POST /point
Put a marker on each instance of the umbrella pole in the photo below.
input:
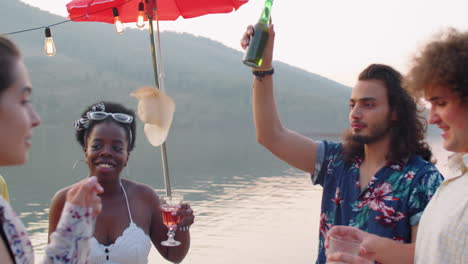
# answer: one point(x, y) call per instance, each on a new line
point(167, 182)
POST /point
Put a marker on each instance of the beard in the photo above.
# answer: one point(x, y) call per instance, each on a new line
point(376, 133)
point(354, 143)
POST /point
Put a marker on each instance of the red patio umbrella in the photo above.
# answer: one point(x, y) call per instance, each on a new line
point(128, 12)
point(92, 10)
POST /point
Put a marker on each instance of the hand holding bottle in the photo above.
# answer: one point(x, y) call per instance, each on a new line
point(258, 38)
point(268, 52)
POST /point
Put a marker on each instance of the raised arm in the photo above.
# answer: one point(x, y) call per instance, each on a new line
point(55, 210)
point(72, 221)
point(290, 146)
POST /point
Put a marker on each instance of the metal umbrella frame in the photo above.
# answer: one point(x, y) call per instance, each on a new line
point(167, 180)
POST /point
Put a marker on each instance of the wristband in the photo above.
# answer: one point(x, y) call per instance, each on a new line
point(263, 73)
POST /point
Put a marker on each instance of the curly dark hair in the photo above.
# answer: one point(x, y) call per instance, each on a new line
point(443, 62)
point(110, 107)
point(407, 132)
point(9, 54)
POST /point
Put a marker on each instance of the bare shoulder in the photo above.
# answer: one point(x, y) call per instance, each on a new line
point(61, 195)
point(141, 191)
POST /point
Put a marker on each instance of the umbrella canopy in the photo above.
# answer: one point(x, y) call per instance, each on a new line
point(101, 10)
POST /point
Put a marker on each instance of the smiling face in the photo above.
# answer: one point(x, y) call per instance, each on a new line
point(369, 114)
point(17, 118)
point(450, 114)
point(106, 149)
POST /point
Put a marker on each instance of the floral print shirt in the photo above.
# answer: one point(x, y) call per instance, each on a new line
point(69, 243)
point(388, 206)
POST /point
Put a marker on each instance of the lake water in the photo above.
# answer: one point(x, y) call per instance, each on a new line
point(243, 220)
point(269, 214)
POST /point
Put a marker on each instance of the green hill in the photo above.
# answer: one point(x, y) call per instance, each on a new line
point(211, 88)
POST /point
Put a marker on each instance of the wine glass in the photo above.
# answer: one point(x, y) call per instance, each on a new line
point(169, 205)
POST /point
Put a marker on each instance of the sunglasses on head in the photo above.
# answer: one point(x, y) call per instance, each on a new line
point(120, 117)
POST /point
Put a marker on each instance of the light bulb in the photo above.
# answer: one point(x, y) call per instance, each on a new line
point(49, 46)
point(141, 16)
point(119, 27)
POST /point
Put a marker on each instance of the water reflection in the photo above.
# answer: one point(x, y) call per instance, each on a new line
point(239, 218)
point(37, 224)
point(267, 220)
point(246, 220)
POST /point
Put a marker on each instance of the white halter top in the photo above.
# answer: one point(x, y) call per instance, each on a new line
point(132, 247)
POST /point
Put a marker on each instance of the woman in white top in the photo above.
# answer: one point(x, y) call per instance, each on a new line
point(70, 242)
point(131, 217)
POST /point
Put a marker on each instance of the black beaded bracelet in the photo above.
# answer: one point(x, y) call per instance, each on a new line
point(261, 73)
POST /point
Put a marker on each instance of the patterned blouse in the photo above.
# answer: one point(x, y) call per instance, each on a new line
point(388, 206)
point(69, 243)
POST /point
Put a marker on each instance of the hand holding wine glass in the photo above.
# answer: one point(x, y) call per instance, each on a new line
point(176, 214)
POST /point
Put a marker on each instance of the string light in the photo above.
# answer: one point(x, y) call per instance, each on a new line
point(49, 46)
point(119, 27)
point(141, 16)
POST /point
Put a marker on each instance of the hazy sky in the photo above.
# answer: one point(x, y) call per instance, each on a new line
point(333, 38)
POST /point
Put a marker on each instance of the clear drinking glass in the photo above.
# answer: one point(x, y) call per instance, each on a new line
point(170, 204)
point(345, 244)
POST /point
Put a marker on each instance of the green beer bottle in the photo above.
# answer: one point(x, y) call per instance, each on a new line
point(254, 55)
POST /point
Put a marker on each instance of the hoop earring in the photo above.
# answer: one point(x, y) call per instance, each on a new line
point(76, 168)
point(126, 172)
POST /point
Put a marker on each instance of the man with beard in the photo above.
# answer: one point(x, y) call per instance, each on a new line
point(438, 73)
point(381, 178)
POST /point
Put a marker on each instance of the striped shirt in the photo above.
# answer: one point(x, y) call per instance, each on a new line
point(443, 230)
